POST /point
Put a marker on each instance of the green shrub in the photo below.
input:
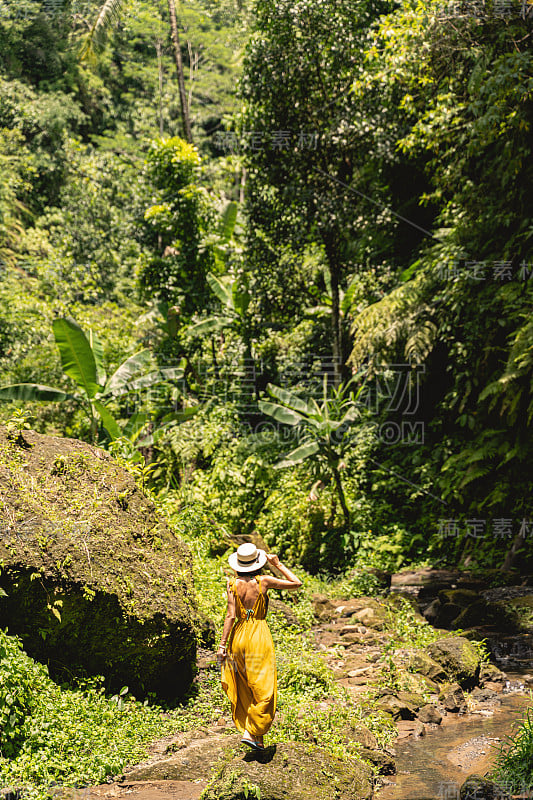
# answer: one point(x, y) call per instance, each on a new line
point(311, 680)
point(72, 736)
point(21, 681)
point(514, 764)
point(197, 527)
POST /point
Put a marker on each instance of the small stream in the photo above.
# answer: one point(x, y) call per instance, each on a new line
point(434, 766)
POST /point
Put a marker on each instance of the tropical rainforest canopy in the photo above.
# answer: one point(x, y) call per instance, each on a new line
point(278, 255)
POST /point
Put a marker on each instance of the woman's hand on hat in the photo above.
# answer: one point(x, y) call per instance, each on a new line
point(272, 559)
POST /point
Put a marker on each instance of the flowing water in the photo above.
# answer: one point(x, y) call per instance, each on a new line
point(434, 766)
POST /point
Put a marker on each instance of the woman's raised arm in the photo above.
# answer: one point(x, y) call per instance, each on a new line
point(291, 580)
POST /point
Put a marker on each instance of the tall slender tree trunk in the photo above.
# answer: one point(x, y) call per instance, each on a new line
point(336, 326)
point(193, 69)
point(179, 68)
point(250, 376)
point(214, 356)
point(94, 425)
point(336, 333)
point(342, 497)
point(160, 71)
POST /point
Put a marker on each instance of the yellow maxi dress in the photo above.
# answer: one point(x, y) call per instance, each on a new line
point(249, 670)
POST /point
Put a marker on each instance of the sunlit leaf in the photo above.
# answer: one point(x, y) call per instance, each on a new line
point(77, 357)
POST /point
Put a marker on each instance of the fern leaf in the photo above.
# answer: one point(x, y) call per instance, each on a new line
point(401, 316)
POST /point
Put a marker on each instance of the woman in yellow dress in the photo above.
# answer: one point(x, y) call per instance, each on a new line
point(246, 652)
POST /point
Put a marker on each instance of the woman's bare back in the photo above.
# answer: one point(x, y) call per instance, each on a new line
point(248, 591)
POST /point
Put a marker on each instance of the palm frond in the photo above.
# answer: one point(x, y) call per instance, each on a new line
point(513, 387)
point(108, 15)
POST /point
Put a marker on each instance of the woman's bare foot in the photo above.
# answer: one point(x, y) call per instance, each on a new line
point(259, 741)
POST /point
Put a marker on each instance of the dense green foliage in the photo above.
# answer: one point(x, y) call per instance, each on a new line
point(66, 735)
point(357, 206)
point(438, 135)
point(460, 310)
point(386, 229)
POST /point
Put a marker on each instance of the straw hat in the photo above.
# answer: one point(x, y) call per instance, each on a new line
point(247, 558)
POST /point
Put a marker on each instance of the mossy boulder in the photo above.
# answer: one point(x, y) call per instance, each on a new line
point(476, 787)
point(395, 706)
point(383, 763)
point(291, 771)
point(421, 662)
point(356, 732)
point(465, 608)
point(198, 753)
point(484, 613)
point(521, 611)
point(452, 697)
point(364, 610)
point(96, 581)
point(524, 601)
point(371, 617)
point(413, 698)
point(419, 684)
point(459, 597)
point(429, 714)
point(489, 673)
point(324, 607)
point(484, 695)
point(459, 658)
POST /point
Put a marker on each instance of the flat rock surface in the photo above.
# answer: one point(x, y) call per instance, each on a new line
point(292, 771)
point(136, 790)
point(194, 760)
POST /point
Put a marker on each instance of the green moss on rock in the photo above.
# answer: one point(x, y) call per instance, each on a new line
point(419, 661)
point(395, 706)
point(476, 787)
point(521, 610)
point(459, 658)
point(290, 771)
point(459, 597)
point(96, 582)
point(483, 613)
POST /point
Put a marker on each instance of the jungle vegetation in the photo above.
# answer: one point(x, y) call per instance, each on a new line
point(351, 201)
point(277, 256)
